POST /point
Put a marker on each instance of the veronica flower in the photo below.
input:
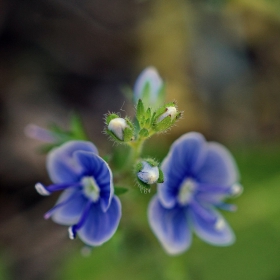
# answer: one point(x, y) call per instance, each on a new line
point(87, 204)
point(198, 177)
point(149, 87)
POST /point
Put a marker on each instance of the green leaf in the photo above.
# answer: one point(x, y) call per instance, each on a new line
point(120, 190)
point(140, 111)
point(148, 113)
point(77, 128)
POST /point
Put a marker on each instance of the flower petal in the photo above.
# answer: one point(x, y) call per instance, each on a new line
point(218, 168)
point(70, 213)
point(95, 166)
point(216, 233)
point(170, 226)
point(100, 226)
point(185, 157)
point(61, 165)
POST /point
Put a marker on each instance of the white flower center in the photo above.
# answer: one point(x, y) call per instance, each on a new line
point(91, 189)
point(186, 191)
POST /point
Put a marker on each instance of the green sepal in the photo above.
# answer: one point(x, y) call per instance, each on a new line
point(151, 161)
point(128, 135)
point(114, 137)
point(144, 132)
point(140, 111)
point(163, 125)
point(110, 117)
point(148, 113)
point(138, 167)
point(120, 190)
point(142, 184)
point(161, 176)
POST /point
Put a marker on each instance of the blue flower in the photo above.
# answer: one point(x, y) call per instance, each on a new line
point(198, 177)
point(149, 87)
point(87, 204)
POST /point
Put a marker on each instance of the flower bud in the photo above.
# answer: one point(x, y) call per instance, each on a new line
point(149, 87)
point(117, 127)
point(148, 174)
point(169, 111)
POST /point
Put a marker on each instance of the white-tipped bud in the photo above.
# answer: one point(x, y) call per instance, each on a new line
point(150, 77)
point(148, 174)
point(170, 111)
point(41, 189)
point(117, 127)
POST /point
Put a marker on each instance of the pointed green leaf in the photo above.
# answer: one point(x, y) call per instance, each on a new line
point(120, 190)
point(140, 112)
point(77, 128)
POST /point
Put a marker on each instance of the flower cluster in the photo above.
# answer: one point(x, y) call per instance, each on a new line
point(193, 181)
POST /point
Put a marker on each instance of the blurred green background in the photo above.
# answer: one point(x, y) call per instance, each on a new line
point(221, 62)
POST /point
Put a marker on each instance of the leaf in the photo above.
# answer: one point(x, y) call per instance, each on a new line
point(120, 190)
point(140, 112)
point(77, 128)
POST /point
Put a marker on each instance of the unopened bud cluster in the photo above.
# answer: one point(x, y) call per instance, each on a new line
point(152, 117)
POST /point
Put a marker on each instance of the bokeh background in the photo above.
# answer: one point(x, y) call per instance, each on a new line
point(221, 62)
